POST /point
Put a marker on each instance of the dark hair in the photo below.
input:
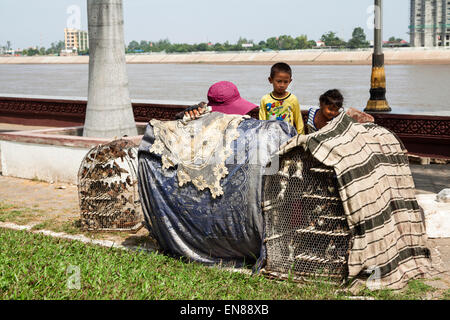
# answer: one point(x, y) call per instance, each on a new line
point(280, 67)
point(332, 97)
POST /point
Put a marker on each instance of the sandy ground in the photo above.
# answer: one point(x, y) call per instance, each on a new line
point(58, 204)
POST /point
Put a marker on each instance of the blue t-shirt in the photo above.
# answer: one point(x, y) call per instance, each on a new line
point(312, 112)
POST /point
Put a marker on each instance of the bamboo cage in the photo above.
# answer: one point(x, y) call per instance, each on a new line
point(107, 188)
point(306, 231)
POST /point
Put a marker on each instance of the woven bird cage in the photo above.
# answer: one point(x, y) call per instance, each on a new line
point(107, 188)
point(306, 231)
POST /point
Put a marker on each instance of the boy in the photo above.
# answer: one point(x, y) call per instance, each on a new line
point(281, 104)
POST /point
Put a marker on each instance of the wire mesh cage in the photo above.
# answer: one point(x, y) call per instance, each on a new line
point(107, 188)
point(306, 231)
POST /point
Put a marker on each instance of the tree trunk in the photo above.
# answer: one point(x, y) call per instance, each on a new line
point(109, 112)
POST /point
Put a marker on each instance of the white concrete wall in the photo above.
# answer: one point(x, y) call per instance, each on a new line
point(40, 161)
point(318, 57)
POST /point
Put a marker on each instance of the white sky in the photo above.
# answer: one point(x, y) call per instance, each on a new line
point(38, 23)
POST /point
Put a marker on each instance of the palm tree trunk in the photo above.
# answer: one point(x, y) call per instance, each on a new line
point(109, 112)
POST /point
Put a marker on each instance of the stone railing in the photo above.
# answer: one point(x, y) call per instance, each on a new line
point(422, 135)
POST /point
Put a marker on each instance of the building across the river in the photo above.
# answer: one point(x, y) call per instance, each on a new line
point(75, 39)
point(430, 23)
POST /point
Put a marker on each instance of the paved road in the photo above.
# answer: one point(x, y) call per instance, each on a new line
point(431, 178)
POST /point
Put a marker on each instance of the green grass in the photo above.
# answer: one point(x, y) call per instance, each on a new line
point(11, 213)
point(5, 206)
point(34, 266)
point(69, 227)
point(42, 225)
point(22, 216)
point(446, 295)
point(416, 289)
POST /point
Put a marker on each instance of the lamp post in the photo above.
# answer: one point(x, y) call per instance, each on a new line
point(377, 101)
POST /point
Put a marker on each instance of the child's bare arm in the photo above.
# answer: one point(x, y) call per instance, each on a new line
point(262, 110)
point(298, 119)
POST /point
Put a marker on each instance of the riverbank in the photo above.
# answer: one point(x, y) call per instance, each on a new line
point(397, 56)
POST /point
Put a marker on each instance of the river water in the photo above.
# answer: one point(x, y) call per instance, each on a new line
point(413, 89)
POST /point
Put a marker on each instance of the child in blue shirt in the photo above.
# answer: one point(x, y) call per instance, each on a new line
point(331, 105)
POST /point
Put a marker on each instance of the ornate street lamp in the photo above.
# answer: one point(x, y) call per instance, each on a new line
point(377, 101)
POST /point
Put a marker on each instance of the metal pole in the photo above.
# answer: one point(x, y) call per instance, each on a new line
point(378, 36)
point(377, 101)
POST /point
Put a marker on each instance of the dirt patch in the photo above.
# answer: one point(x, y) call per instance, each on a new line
point(55, 207)
point(440, 255)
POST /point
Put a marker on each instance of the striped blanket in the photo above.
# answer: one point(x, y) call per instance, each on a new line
point(377, 190)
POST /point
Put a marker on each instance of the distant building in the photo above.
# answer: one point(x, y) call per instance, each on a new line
point(395, 44)
point(320, 43)
point(75, 39)
point(68, 52)
point(430, 23)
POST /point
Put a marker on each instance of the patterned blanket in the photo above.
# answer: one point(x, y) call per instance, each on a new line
point(195, 222)
point(375, 184)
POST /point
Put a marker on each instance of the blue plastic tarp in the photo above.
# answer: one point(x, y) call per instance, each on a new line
point(190, 223)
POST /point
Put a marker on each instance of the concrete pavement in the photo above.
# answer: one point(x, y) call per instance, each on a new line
point(430, 178)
